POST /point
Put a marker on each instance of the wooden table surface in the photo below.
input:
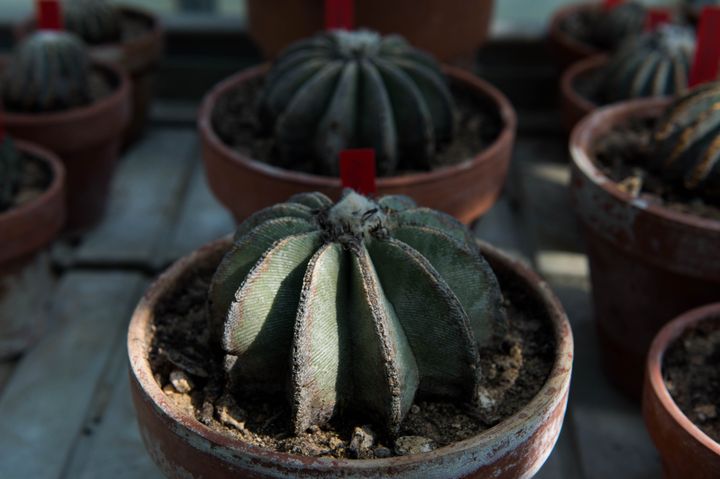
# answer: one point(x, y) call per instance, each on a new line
point(65, 409)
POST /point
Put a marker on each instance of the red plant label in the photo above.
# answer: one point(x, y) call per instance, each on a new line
point(339, 14)
point(357, 170)
point(49, 15)
point(610, 4)
point(657, 17)
point(707, 51)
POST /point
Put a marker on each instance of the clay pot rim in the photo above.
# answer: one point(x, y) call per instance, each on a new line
point(119, 94)
point(561, 37)
point(667, 335)
point(583, 138)
point(570, 75)
point(476, 84)
point(552, 392)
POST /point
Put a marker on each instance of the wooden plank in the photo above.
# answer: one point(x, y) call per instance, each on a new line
point(46, 401)
point(148, 188)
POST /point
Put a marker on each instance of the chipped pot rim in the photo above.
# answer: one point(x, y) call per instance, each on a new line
point(496, 441)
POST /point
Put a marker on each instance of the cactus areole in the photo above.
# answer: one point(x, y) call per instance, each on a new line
point(354, 307)
point(357, 89)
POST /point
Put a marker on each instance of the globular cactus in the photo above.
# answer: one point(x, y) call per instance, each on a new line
point(687, 142)
point(354, 306)
point(655, 63)
point(607, 29)
point(10, 172)
point(341, 89)
point(95, 21)
point(49, 71)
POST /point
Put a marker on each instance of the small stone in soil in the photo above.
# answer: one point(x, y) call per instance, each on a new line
point(706, 411)
point(362, 440)
point(181, 382)
point(230, 414)
point(382, 452)
point(407, 445)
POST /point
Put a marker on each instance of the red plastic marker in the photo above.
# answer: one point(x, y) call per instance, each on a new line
point(707, 52)
point(49, 15)
point(339, 14)
point(657, 17)
point(610, 4)
point(357, 170)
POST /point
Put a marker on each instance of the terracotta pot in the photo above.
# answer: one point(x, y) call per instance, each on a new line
point(686, 451)
point(183, 447)
point(574, 106)
point(647, 263)
point(24, 231)
point(139, 57)
point(88, 140)
point(425, 23)
point(466, 190)
point(565, 49)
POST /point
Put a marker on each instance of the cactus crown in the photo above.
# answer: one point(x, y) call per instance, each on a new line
point(10, 172)
point(358, 89)
point(49, 71)
point(95, 21)
point(313, 299)
point(652, 64)
point(687, 142)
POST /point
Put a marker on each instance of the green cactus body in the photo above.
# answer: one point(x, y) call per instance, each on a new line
point(49, 71)
point(342, 90)
point(10, 172)
point(95, 21)
point(354, 306)
point(687, 142)
point(607, 29)
point(653, 64)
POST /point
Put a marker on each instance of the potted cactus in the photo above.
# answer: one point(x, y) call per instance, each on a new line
point(54, 95)
point(440, 134)
point(680, 396)
point(32, 212)
point(126, 36)
point(321, 322)
point(645, 186)
point(655, 63)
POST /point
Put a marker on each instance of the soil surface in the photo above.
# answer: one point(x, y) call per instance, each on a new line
point(192, 377)
point(236, 122)
point(623, 154)
point(34, 181)
point(691, 370)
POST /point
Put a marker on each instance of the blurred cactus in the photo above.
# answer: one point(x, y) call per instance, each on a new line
point(607, 29)
point(340, 90)
point(49, 71)
point(10, 172)
point(354, 306)
point(687, 142)
point(95, 21)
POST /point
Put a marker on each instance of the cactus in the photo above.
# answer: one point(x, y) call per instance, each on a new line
point(687, 142)
point(653, 64)
point(10, 172)
point(354, 306)
point(342, 90)
point(49, 71)
point(607, 29)
point(95, 21)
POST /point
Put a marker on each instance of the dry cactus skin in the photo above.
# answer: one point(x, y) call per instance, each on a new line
point(10, 172)
point(354, 306)
point(95, 21)
point(340, 90)
point(687, 142)
point(49, 71)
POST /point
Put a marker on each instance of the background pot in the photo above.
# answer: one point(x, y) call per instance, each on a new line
point(466, 190)
point(24, 231)
point(686, 451)
point(139, 57)
point(183, 447)
point(647, 263)
point(87, 139)
point(565, 49)
point(452, 30)
point(574, 106)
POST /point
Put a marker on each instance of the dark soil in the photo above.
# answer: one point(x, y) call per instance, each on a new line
point(236, 122)
point(691, 370)
point(35, 180)
point(589, 86)
point(188, 372)
point(623, 155)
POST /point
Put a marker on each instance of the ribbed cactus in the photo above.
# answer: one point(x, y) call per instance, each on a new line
point(606, 29)
point(340, 90)
point(687, 142)
point(653, 64)
point(10, 172)
point(95, 21)
point(49, 71)
point(354, 306)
